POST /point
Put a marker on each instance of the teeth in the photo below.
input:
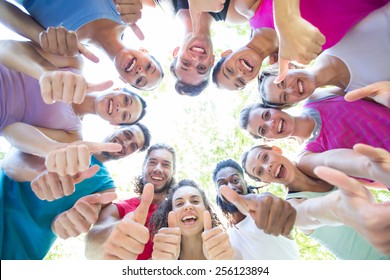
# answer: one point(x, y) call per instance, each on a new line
point(110, 107)
point(158, 178)
point(278, 171)
point(246, 65)
point(188, 218)
point(280, 126)
point(129, 68)
point(300, 87)
point(199, 50)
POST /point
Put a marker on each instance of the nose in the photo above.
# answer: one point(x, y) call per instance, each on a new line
point(188, 206)
point(139, 70)
point(158, 167)
point(233, 187)
point(271, 123)
point(268, 168)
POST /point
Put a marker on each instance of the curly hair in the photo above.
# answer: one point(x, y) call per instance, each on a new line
point(159, 219)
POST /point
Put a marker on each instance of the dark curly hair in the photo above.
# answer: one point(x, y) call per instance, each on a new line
point(159, 219)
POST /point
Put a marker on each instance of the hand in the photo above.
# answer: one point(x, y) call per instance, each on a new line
point(379, 92)
point(359, 210)
point(378, 166)
point(67, 87)
point(130, 12)
point(73, 158)
point(50, 186)
point(271, 214)
point(60, 41)
point(299, 41)
point(167, 241)
point(82, 215)
point(216, 243)
point(128, 238)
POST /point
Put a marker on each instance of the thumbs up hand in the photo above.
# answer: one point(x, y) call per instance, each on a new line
point(216, 243)
point(128, 238)
point(167, 241)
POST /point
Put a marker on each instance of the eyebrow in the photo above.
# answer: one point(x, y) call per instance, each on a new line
point(192, 196)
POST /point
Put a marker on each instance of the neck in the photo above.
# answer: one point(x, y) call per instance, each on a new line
point(304, 127)
point(237, 217)
point(159, 198)
point(191, 248)
point(100, 157)
point(302, 182)
point(264, 41)
point(247, 8)
point(86, 107)
point(330, 70)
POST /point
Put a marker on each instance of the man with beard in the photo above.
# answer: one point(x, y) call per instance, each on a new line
point(34, 210)
point(254, 232)
point(121, 231)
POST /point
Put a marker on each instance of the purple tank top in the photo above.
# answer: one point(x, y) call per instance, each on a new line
point(21, 101)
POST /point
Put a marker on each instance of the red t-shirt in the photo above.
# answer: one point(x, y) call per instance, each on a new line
point(129, 205)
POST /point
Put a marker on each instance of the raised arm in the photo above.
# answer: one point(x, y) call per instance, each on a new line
point(363, 161)
point(379, 92)
point(299, 40)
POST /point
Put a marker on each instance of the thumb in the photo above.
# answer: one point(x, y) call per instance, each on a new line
point(87, 53)
point(207, 221)
point(234, 198)
point(347, 185)
point(100, 198)
point(141, 213)
point(375, 154)
point(103, 147)
point(100, 86)
point(172, 219)
point(137, 31)
point(89, 173)
point(283, 68)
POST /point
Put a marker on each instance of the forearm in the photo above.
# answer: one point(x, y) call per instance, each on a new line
point(347, 161)
point(95, 239)
point(266, 41)
point(25, 58)
point(284, 10)
point(316, 212)
point(20, 22)
point(29, 139)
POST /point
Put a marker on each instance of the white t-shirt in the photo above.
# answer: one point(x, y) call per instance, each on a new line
point(254, 244)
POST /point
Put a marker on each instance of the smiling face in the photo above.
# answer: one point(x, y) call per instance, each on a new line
point(188, 206)
point(131, 138)
point(239, 68)
point(297, 86)
point(194, 60)
point(270, 123)
point(118, 107)
point(269, 166)
point(230, 177)
point(158, 170)
point(138, 69)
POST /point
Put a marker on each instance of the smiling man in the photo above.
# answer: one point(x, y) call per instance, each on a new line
point(117, 234)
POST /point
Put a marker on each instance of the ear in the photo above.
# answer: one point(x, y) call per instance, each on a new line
point(143, 50)
point(175, 51)
point(277, 150)
point(226, 53)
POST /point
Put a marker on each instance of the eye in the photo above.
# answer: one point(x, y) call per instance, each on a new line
point(283, 83)
point(266, 115)
point(124, 116)
point(134, 147)
point(127, 134)
point(185, 63)
point(179, 204)
point(263, 131)
point(138, 81)
point(126, 100)
point(235, 181)
point(148, 66)
point(241, 81)
point(195, 201)
point(230, 71)
point(265, 157)
point(260, 172)
point(284, 97)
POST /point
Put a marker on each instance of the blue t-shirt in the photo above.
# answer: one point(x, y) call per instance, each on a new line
point(71, 14)
point(25, 229)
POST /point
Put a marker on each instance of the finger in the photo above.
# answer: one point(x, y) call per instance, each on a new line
point(320, 39)
point(87, 53)
point(103, 147)
point(60, 159)
point(234, 198)
point(72, 43)
point(69, 82)
point(46, 87)
point(79, 90)
point(337, 178)
point(100, 198)
point(89, 173)
point(72, 160)
point(207, 221)
point(371, 152)
point(67, 187)
point(100, 86)
point(52, 39)
point(137, 31)
point(359, 93)
point(84, 158)
point(172, 219)
point(44, 41)
point(61, 41)
point(283, 69)
point(141, 213)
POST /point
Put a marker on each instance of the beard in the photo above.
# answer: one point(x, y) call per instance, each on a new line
point(164, 189)
point(226, 207)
